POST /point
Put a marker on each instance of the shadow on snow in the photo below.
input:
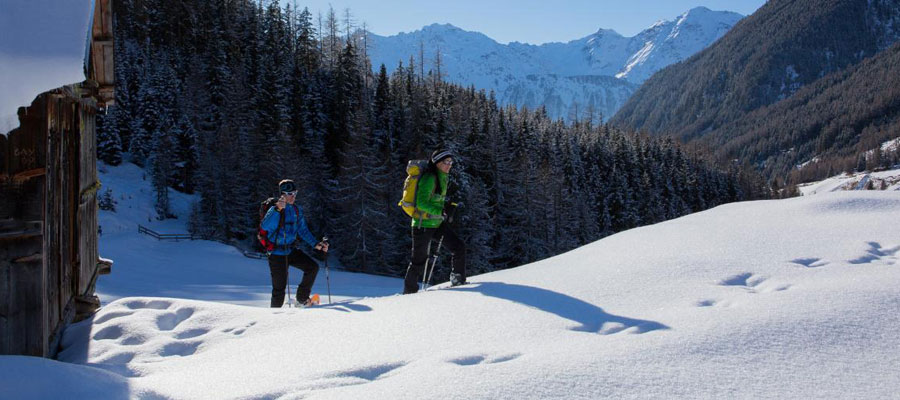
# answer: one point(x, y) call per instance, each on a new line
point(590, 317)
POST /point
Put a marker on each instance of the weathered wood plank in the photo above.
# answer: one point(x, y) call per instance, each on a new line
point(55, 205)
point(104, 266)
point(34, 258)
point(68, 204)
point(20, 234)
point(109, 76)
point(24, 147)
point(4, 157)
point(97, 23)
point(102, 24)
point(67, 316)
point(5, 293)
point(26, 317)
point(87, 208)
point(15, 224)
point(27, 174)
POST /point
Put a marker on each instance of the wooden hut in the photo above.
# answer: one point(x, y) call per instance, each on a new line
point(49, 262)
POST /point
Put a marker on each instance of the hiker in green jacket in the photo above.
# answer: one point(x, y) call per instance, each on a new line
point(430, 199)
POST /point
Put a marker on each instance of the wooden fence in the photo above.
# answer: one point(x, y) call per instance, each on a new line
point(167, 236)
point(176, 237)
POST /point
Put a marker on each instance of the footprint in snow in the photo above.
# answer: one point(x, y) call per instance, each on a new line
point(745, 280)
point(192, 333)
point(370, 373)
point(170, 321)
point(109, 333)
point(237, 331)
point(810, 262)
point(152, 304)
point(752, 283)
point(707, 303)
point(482, 359)
point(111, 315)
point(876, 253)
point(180, 349)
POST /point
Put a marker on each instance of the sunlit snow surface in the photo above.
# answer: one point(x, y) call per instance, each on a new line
point(792, 298)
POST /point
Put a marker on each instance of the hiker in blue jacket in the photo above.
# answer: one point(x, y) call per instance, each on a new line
point(285, 253)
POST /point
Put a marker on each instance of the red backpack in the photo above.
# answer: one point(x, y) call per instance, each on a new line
point(261, 234)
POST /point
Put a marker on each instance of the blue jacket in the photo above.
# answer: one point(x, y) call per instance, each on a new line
point(294, 226)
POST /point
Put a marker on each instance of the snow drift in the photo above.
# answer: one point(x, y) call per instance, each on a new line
point(789, 298)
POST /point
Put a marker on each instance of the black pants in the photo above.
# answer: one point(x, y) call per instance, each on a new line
point(421, 238)
point(278, 267)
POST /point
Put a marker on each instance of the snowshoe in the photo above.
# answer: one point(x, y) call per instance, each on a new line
point(311, 301)
point(457, 279)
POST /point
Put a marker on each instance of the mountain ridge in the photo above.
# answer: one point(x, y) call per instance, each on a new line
point(724, 95)
point(472, 58)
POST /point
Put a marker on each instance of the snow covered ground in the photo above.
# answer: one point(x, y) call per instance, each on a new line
point(882, 180)
point(792, 298)
point(200, 270)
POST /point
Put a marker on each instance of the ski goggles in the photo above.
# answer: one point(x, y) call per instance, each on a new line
point(293, 193)
point(288, 188)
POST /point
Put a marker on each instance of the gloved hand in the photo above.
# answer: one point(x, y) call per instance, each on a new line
point(449, 211)
point(323, 246)
point(319, 254)
point(320, 251)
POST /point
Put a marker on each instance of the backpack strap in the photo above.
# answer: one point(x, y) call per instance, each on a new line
point(274, 235)
point(281, 220)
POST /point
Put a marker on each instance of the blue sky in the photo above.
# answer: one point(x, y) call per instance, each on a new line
point(528, 21)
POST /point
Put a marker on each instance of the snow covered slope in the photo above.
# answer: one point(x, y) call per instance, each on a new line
point(200, 269)
point(529, 75)
point(881, 180)
point(791, 298)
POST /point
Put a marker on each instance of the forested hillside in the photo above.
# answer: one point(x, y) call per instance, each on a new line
point(767, 58)
point(226, 98)
point(835, 124)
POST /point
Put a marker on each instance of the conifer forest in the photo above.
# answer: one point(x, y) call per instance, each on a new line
point(224, 98)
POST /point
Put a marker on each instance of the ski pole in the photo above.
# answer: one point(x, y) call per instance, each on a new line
point(427, 260)
point(429, 273)
point(327, 277)
point(287, 270)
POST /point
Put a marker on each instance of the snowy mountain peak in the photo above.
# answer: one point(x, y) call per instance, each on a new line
point(519, 73)
point(605, 33)
point(444, 32)
point(671, 41)
point(440, 28)
point(699, 10)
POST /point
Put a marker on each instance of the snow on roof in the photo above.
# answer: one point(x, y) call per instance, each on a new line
point(42, 47)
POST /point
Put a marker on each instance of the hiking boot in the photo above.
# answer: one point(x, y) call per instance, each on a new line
point(457, 279)
point(310, 301)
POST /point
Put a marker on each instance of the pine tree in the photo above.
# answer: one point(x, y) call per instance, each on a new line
point(162, 168)
point(227, 108)
point(109, 145)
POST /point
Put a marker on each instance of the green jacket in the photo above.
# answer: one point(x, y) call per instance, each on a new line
point(430, 202)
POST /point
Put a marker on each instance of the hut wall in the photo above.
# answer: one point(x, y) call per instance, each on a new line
point(48, 246)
